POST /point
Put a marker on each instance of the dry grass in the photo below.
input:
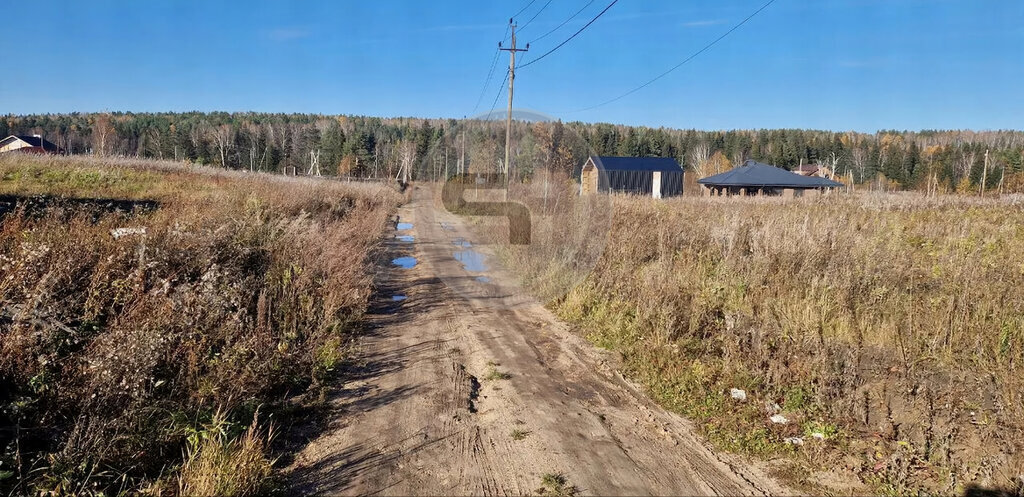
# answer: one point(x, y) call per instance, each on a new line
point(556, 485)
point(243, 289)
point(892, 324)
point(518, 434)
point(221, 466)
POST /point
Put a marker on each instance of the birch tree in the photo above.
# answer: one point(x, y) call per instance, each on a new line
point(224, 138)
point(102, 130)
point(859, 156)
point(699, 156)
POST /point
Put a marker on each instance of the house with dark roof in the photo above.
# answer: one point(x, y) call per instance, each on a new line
point(655, 176)
point(755, 178)
point(35, 144)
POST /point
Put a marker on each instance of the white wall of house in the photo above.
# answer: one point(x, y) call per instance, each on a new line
point(12, 144)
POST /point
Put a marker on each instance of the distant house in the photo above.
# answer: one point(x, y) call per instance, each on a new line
point(655, 176)
point(34, 144)
point(755, 178)
point(816, 170)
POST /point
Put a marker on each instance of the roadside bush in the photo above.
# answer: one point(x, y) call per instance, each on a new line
point(123, 332)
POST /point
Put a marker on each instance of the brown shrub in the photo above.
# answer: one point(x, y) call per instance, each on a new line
point(113, 348)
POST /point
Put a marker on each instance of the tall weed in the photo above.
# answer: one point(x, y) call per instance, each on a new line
point(115, 347)
point(895, 318)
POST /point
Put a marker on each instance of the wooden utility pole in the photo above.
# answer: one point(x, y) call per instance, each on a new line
point(511, 89)
point(984, 174)
point(462, 155)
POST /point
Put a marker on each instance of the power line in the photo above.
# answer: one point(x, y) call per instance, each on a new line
point(535, 15)
point(688, 59)
point(500, 88)
point(494, 63)
point(490, 72)
point(523, 9)
point(573, 35)
point(541, 37)
point(503, 38)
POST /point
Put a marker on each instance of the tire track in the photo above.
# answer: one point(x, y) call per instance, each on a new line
point(435, 422)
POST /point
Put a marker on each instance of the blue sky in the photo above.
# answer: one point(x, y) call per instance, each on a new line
point(828, 64)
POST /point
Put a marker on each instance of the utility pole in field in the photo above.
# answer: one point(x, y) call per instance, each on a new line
point(511, 87)
point(1002, 176)
point(462, 155)
point(984, 174)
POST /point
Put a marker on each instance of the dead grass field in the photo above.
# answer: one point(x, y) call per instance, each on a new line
point(888, 331)
point(155, 361)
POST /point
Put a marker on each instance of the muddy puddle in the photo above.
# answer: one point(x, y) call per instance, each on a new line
point(398, 298)
point(471, 260)
point(406, 262)
point(403, 226)
point(405, 238)
point(483, 279)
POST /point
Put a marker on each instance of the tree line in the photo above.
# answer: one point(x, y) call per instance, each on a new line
point(362, 146)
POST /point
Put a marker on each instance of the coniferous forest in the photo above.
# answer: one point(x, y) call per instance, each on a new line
point(956, 160)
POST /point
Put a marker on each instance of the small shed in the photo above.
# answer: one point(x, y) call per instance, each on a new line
point(755, 178)
point(33, 144)
point(655, 176)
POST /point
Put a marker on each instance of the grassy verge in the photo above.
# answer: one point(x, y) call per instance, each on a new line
point(148, 311)
point(885, 335)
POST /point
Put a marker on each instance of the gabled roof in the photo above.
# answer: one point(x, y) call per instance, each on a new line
point(33, 141)
point(753, 173)
point(663, 164)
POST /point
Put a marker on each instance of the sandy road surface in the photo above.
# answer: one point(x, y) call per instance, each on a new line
point(427, 415)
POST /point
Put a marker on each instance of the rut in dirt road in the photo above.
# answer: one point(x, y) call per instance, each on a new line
point(470, 388)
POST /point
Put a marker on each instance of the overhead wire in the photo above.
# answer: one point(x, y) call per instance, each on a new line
point(677, 66)
point(503, 38)
point(494, 64)
point(545, 35)
point(535, 15)
point(500, 89)
point(523, 9)
point(490, 73)
point(567, 40)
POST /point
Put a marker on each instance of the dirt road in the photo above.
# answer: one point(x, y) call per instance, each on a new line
point(468, 388)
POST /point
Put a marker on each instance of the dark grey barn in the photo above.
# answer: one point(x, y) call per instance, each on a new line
point(655, 176)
